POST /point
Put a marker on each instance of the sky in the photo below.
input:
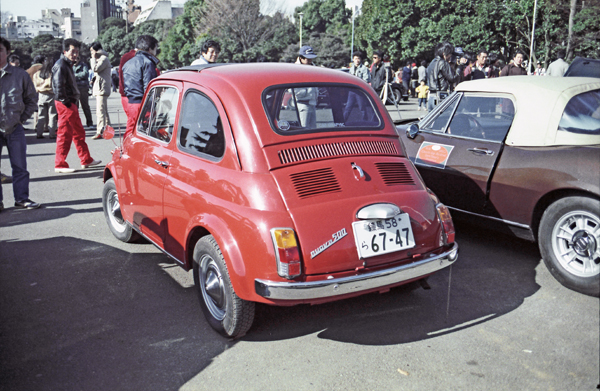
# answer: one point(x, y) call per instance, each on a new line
point(32, 9)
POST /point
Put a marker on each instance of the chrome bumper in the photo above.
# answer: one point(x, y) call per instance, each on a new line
point(341, 286)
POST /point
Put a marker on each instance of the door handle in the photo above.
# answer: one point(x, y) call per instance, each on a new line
point(161, 163)
point(481, 151)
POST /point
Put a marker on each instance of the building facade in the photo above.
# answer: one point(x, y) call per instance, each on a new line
point(93, 12)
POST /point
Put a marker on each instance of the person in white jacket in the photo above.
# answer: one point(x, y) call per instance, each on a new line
point(100, 64)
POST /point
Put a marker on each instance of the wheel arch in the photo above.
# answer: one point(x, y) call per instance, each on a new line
point(549, 198)
point(202, 226)
point(107, 174)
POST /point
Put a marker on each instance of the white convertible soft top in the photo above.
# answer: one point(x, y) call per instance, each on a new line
point(540, 102)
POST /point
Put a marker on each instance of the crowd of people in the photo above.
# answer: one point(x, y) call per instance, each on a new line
point(430, 83)
point(53, 89)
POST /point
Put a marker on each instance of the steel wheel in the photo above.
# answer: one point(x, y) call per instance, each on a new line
point(211, 285)
point(112, 212)
point(575, 241)
point(569, 240)
point(223, 309)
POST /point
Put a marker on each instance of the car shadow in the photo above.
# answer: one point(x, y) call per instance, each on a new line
point(78, 314)
point(493, 276)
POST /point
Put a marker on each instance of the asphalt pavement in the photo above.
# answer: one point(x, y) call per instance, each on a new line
point(80, 310)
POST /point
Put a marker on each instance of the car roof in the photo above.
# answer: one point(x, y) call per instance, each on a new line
point(242, 87)
point(267, 74)
point(540, 103)
point(587, 67)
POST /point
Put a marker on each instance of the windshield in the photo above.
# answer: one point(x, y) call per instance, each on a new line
point(314, 108)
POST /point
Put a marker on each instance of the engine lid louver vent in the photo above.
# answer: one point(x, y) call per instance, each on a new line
point(319, 151)
point(315, 182)
point(395, 174)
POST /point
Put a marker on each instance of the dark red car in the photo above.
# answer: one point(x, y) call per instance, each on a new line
point(522, 155)
point(274, 202)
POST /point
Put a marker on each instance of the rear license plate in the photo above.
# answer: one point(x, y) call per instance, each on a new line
point(377, 237)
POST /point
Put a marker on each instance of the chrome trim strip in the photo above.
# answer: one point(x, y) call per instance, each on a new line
point(340, 286)
point(524, 226)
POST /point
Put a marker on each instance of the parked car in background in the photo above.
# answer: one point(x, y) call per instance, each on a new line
point(583, 67)
point(270, 201)
point(521, 154)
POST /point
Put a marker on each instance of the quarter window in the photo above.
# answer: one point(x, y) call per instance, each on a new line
point(201, 129)
point(582, 114)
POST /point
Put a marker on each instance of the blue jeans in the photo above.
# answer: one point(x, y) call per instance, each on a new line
point(431, 102)
point(17, 154)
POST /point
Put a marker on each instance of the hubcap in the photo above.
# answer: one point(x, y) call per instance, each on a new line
point(114, 211)
point(211, 284)
point(575, 239)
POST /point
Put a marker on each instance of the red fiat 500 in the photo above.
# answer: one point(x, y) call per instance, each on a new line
point(276, 183)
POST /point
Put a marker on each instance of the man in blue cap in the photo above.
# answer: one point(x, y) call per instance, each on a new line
point(306, 55)
point(307, 97)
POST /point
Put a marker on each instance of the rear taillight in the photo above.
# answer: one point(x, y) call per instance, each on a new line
point(286, 252)
point(447, 224)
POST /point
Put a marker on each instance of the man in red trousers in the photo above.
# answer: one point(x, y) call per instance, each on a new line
point(66, 98)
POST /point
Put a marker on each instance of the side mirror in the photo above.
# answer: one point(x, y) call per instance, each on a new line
point(412, 131)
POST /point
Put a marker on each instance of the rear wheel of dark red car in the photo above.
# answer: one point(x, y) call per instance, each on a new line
point(569, 240)
point(112, 213)
point(224, 310)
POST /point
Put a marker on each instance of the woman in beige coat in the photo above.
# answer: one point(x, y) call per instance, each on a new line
point(102, 86)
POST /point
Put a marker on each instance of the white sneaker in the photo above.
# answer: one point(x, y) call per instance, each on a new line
point(94, 163)
point(64, 170)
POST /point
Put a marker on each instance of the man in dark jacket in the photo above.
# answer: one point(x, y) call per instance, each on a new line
point(124, 58)
point(380, 74)
point(17, 103)
point(439, 73)
point(137, 74)
point(66, 99)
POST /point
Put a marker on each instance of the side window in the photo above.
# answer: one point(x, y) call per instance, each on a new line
point(482, 117)
point(201, 129)
point(157, 117)
point(582, 114)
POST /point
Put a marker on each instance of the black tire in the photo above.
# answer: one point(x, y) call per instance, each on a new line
point(112, 213)
point(229, 315)
point(569, 241)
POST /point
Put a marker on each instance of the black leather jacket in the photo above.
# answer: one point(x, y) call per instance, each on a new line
point(378, 77)
point(64, 84)
point(440, 76)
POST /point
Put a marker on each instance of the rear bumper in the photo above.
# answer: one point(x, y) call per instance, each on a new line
point(347, 285)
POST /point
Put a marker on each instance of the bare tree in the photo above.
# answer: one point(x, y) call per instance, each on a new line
point(239, 20)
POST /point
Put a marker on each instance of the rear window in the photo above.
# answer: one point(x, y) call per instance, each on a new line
point(582, 114)
point(315, 108)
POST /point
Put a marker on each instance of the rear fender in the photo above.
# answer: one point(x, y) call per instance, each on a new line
point(213, 225)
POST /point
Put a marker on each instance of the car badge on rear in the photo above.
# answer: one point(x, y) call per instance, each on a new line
point(336, 237)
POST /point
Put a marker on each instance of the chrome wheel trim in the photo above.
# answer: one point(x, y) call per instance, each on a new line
point(211, 284)
point(576, 243)
point(113, 207)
